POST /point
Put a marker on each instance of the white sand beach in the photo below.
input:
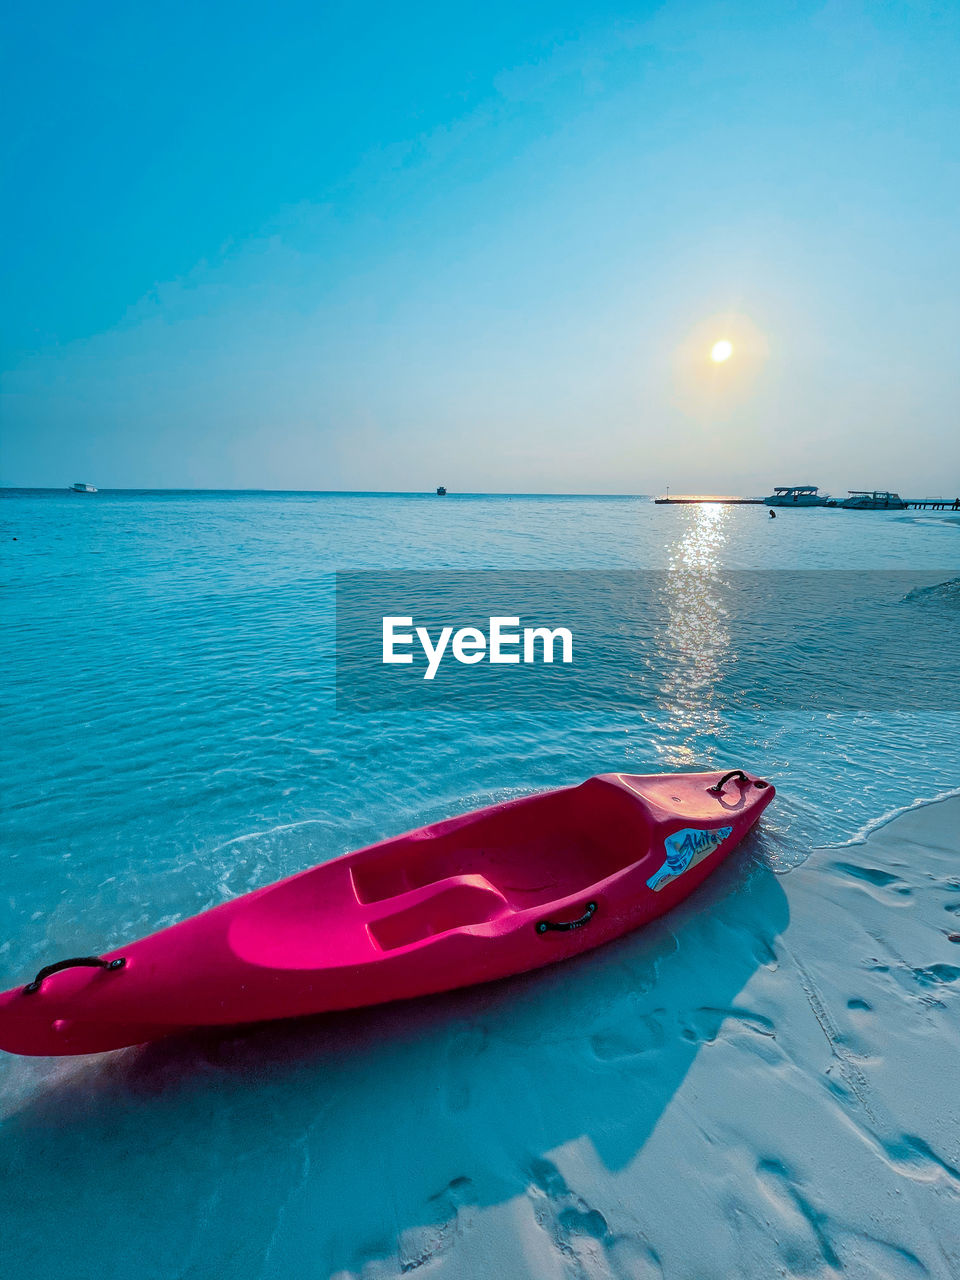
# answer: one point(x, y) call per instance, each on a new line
point(763, 1084)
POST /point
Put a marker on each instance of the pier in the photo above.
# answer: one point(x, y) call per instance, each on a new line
point(681, 499)
point(909, 504)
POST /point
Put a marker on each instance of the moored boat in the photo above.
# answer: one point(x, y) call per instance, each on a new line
point(481, 896)
point(873, 500)
point(797, 495)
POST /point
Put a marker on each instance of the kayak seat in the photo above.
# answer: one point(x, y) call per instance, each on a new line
point(454, 903)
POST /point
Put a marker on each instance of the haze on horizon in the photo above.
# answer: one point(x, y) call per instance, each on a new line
point(310, 247)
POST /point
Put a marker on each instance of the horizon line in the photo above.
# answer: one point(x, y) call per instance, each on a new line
point(387, 493)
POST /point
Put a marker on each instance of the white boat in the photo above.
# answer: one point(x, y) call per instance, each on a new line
point(80, 487)
point(796, 495)
point(873, 500)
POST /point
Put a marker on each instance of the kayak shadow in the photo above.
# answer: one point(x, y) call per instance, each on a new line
point(334, 1143)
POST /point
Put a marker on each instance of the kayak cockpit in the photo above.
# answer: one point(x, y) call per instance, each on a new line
point(526, 856)
point(532, 852)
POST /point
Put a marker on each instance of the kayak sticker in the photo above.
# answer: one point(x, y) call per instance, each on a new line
point(684, 850)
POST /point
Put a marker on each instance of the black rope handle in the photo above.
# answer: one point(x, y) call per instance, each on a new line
point(741, 777)
point(564, 926)
point(734, 773)
point(90, 962)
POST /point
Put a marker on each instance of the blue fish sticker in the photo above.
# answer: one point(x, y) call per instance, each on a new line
point(685, 849)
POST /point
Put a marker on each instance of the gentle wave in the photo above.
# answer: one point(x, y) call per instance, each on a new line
point(868, 828)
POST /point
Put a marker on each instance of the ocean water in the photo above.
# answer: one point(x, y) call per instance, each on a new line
point(170, 728)
point(170, 733)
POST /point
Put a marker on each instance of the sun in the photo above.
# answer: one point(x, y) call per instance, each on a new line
point(721, 351)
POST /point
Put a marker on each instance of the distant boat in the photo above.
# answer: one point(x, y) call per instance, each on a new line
point(796, 495)
point(80, 487)
point(441, 490)
point(873, 500)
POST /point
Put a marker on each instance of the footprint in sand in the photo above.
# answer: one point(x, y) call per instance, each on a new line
point(704, 1024)
point(582, 1235)
point(805, 1243)
point(451, 1214)
point(643, 1035)
point(873, 878)
point(916, 1159)
point(936, 974)
point(811, 1239)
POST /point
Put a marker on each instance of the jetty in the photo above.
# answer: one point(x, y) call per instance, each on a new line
point(910, 504)
point(681, 498)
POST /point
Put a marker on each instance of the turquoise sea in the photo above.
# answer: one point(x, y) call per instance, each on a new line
point(170, 737)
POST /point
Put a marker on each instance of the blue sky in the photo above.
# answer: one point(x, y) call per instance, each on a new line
point(391, 246)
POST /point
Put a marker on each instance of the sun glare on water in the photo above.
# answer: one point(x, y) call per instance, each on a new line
point(721, 351)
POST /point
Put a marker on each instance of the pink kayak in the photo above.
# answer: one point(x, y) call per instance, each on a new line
point(477, 897)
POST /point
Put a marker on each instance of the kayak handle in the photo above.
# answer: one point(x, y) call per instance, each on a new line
point(734, 773)
point(564, 926)
point(90, 962)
